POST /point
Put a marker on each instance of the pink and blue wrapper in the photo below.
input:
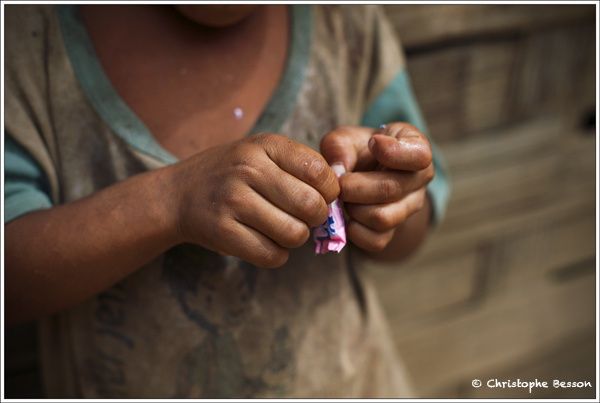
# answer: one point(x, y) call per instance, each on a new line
point(331, 235)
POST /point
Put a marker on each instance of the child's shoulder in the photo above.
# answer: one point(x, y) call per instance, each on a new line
point(351, 14)
point(355, 21)
point(363, 32)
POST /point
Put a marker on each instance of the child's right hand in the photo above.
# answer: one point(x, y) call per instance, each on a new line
point(254, 198)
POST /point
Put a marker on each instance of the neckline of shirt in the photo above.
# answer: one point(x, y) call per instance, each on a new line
point(128, 126)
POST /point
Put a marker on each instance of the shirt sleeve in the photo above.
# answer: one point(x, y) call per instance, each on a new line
point(26, 187)
point(397, 103)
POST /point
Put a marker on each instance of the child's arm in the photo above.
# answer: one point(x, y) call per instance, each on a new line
point(57, 257)
point(384, 191)
point(253, 199)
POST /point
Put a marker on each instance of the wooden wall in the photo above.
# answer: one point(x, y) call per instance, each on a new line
point(505, 287)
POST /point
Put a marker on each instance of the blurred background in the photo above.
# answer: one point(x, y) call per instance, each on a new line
point(505, 288)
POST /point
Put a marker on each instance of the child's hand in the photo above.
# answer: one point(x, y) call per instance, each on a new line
point(254, 198)
point(388, 171)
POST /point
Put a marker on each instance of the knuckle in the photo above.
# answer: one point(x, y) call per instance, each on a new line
point(309, 200)
point(420, 203)
point(297, 234)
point(378, 244)
point(426, 157)
point(331, 138)
point(246, 171)
point(402, 129)
point(234, 199)
point(429, 173)
point(243, 151)
point(339, 132)
point(382, 220)
point(270, 258)
point(384, 240)
point(317, 171)
point(224, 228)
point(266, 138)
point(260, 138)
point(312, 207)
point(403, 212)
point(388, 189)
point(343, 129)
point(407, 130)
point(422, 158)
point(336, 146)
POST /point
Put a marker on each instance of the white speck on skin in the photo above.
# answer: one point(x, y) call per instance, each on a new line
point(238, 113)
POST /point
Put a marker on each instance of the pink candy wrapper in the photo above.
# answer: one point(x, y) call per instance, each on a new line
point(331, 235)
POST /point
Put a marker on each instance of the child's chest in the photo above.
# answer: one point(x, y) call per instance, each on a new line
point(193, 88)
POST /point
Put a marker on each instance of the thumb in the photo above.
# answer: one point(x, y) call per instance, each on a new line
point(347, 145)
point(405, 153)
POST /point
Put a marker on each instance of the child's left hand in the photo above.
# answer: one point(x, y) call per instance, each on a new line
point(388, 171)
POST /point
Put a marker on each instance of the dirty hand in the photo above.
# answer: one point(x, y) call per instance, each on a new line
point(254, 198)
point(388, 171)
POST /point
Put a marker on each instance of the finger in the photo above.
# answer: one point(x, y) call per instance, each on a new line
point(258, 213)
point(250, 245)
point(379, 187)
point(383, 217)
point(367, 239)
point(290, 194)
point(301, 162)
point(401, 147)
point(348, 145)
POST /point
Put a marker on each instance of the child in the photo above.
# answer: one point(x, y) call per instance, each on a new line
point(147, 192)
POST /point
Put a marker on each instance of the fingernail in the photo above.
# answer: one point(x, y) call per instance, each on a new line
point(338, 168)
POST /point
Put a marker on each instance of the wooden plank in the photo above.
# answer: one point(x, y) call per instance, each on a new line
point(419, 293)
point(505, 329)
point(507, 182)
point(505, 224)
point(416, 292)
point(475, 83)
point(512, 144)
point(539, 252)
point(421, 26)
point(555, 71)
point(469, 88)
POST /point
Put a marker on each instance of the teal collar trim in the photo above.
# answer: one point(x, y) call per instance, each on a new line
point(127, 125)
point(283, 100)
